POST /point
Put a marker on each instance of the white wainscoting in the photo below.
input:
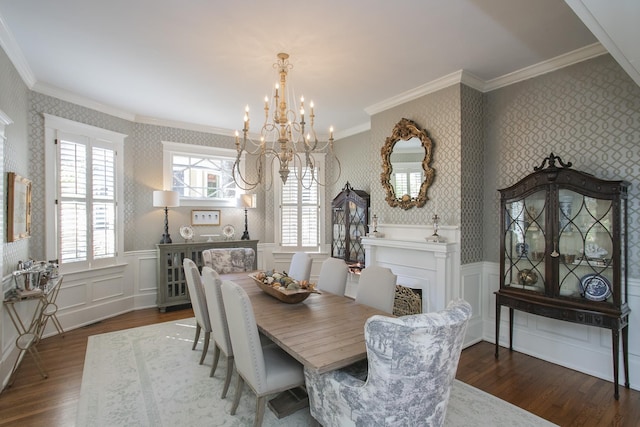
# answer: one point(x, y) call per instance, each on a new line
point(471, 288)
point(583, 348)
point(87, 297)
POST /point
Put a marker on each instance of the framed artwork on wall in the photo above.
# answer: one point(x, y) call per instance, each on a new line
point(205, 217)
point(18, 207)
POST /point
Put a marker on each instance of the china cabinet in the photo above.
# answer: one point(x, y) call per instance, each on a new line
point(350, 219)
point(172, 284)
point(563, 252)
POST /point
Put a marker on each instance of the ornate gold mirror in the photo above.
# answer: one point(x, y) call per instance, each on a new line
point(406, 171)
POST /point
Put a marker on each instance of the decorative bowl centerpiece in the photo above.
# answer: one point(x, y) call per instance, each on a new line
point(282, 287)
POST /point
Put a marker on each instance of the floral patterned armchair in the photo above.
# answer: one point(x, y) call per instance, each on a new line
point(412, 362)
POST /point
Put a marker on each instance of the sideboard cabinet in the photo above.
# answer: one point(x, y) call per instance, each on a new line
point(172, 284)
point(350, 219)
point(563, 251)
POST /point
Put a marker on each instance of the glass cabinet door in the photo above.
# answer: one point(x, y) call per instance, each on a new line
point(524, 245)
point(585, 246)
point(339, 233)
point(357, 230)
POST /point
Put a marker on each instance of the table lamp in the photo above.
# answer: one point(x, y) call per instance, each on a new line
point(247, 201)
point(166, 199)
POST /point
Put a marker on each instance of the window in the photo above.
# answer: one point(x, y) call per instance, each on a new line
point(407, 183)
point(201, 175)
point(84, 189)
point(300, 204)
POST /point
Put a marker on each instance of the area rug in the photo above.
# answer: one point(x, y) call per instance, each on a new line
point(149, 376)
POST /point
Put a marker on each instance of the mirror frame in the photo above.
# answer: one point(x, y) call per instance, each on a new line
point(404, 130)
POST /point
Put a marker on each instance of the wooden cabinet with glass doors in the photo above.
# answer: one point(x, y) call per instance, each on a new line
point(350, 219)
point(563, 252)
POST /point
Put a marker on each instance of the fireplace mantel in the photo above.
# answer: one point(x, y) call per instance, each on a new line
point(432, 267)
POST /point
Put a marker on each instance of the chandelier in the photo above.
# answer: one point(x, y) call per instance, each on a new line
point(283, 143)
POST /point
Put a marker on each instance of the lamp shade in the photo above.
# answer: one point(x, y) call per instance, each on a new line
point(166, 199)
point(247, 201)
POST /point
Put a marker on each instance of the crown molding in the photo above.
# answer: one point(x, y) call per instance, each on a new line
point(353, 130)
point(410, 95)
point(64, 95)
point(4, 119)
point(184, 125)
point(472, 81)
point(561, 61)
point(14, 53)
point(619, 35)
point(467, 78)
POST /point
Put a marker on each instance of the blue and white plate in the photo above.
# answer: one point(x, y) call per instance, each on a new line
point(595, 287)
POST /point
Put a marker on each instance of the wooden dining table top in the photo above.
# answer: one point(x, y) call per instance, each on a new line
point(324, 332)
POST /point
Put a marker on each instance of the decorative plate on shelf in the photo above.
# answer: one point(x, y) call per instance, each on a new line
point(186, 231)
point(228, 231)
point(595, 287)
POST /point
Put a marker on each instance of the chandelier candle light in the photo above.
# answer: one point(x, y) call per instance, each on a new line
point(282, 139)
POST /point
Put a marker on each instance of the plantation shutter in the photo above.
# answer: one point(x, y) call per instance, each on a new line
point(299, 212)
point(104, 203)
point(86, 200)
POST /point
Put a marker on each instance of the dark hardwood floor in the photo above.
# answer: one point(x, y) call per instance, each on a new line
point(560, 395)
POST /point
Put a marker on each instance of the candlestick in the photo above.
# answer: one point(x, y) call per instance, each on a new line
point(435, 237)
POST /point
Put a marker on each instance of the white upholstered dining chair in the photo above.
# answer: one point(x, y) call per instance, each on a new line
point(266, 370)
point(198, 303)
point(412, 363)
point(333, 276)
point(219, 328)
point(300, 267)
point(377, 288)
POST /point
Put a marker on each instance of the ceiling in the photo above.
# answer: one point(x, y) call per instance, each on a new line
point(200, 62)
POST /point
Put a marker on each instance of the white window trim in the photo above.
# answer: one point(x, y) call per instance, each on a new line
point(320, 161)
point(170, 148)
point(53, 124)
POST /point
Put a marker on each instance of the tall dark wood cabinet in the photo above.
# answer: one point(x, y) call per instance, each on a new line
point(350, 221)
point(563, 252)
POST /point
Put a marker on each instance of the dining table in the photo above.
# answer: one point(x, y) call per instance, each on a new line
point(324, 332)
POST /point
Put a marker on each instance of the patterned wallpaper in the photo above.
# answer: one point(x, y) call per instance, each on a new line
point(38, 105)
point(588, 114)
point(471, 167)
point(439, 114)
point(452, 118)
point(357, 165)
point(144, 223)
point(142, 174)
point(14, 98)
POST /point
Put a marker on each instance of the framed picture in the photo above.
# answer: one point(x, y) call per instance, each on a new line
point(18, 207)
point(205, 217)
